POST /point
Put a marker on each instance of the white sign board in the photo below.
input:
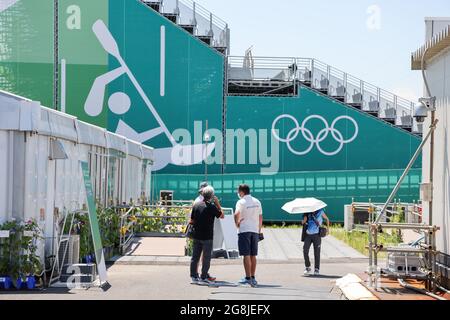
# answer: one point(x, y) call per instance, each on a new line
point(225, 234)
point(4, 233)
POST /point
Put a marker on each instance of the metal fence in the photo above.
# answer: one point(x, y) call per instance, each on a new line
point(336, 188)
point(205, 23)
point(322, 76)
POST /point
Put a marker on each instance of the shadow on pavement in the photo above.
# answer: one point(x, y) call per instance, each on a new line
point(37, 291)
point(323, 277)
point(219, 284)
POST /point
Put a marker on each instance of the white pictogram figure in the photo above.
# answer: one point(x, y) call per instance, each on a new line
point(119, 103)
point(5, 4)
point(309, 137)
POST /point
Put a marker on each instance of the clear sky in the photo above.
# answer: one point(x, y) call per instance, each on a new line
point(343, 33)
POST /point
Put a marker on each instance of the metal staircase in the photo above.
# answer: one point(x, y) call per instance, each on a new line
point(268, 76)
point(195, 20)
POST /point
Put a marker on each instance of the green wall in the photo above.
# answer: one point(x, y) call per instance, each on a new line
point(26, 50)
point(365, 168)
point(193, 71)
point(336, 188)
point(377, 145)
point(193, 81)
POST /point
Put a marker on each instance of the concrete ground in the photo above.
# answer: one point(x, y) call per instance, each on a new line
point(162, 282)
point(157, 247)
point(280, 273)
point(279, 246)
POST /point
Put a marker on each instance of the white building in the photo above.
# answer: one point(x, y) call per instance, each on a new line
point(41, 177)
point(437, 65)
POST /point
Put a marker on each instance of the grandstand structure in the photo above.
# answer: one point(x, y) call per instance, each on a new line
point(146, 69)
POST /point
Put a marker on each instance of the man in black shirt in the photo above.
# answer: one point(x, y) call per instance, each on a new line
point(203, 216)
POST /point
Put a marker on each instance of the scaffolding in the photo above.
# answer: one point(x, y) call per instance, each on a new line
point(425, 250)
point(397, 210)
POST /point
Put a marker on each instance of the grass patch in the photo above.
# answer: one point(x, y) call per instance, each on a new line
point(359, 239)
point(355, 239)
point(281, 226)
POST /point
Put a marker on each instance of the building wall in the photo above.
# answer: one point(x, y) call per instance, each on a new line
point(434, 26)
point(26, 52)
point(330, 136)
point(337, 188)
point(438, 75)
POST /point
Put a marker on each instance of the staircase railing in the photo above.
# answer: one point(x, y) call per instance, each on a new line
point(330, 80)
point(205, 23)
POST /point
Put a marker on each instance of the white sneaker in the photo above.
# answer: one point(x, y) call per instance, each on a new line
point(244, 282)
point(307, 271)
point(195, 280)
point(316, 272)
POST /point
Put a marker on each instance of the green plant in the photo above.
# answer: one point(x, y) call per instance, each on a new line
point(82, 228)
point(359, 239)
point(18, 252)
point(109, 223)
point(30, 262)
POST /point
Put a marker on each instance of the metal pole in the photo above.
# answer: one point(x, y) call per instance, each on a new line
point(408, 168)
point(370, 256)
point(206, 152)
point(55, 54)
point(430, 203)
point(375, 258)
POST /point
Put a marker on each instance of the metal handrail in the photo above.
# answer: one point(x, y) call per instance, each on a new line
point(195, 14)
point(325, 77)
point(379, 207)
point(126, 238)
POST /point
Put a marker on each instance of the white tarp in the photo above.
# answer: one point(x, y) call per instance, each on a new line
point(116, 142)
point(91, 135)
point(147, 153)
point(134, 149)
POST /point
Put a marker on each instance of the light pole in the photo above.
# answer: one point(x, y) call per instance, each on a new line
point(207, 138)
point(428, 105)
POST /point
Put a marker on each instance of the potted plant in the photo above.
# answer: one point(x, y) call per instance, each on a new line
point(14, 255)
point(5, 279)
point(30, 264)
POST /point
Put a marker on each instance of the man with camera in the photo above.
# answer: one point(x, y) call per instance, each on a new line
point(203, 216)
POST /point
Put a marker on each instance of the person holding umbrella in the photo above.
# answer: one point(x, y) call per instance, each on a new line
point(312, 222)
point(313, 232)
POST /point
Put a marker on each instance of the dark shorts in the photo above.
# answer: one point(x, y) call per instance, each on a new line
point(248, 244)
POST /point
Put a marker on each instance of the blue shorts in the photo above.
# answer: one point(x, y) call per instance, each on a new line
point(248, 244)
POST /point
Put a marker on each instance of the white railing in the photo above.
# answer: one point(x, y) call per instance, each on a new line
point(204, 22)
point(335, 82)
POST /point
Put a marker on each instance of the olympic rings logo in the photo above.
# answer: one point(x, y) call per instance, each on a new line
point(309, 137)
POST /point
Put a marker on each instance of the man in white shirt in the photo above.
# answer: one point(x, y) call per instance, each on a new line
point(248, 219)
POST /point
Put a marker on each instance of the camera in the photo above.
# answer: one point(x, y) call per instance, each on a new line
point(421, 110)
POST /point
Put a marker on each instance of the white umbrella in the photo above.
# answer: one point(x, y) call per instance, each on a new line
point(304, 205)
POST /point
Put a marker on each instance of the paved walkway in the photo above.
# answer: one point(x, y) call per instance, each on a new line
point(279, 246)
point(285, 244)
point(153, 282)
point(280, 274)
point(157, 247)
